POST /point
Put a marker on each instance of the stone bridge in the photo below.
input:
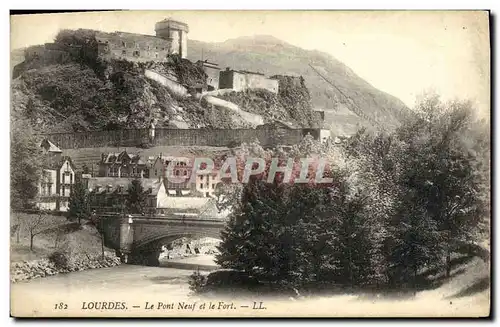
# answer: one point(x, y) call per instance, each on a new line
point(139, 239)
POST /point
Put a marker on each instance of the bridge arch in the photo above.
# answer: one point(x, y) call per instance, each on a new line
point(157, 240)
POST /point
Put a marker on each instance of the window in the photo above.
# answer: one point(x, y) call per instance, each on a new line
point(201, 177)
point(213, 186)
point(124, 44)
point(124, 52)
point(137, 53)
point(50, 189)
point(63, 190)
point(156, 172)
point(156, 55)
point(185, 172)
point(177, 172)
point(201, 186)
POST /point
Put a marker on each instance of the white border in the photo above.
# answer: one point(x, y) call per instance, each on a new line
point(204, 5)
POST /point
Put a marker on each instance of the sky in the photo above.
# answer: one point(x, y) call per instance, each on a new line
point(403, 53)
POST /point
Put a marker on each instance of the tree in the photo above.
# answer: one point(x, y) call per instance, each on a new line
point(247, 241)
point(427, 184)
point(137, 198)
point(26, 165)
point(35, 226)
point(78, 201)
point(453, 178)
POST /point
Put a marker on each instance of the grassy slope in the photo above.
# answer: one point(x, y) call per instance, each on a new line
point(85, 240)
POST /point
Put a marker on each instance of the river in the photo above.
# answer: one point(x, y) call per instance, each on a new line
point(164, 292)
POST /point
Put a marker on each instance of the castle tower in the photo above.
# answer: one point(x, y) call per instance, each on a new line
point(176, 32)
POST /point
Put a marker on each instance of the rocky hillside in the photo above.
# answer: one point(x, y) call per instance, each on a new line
point(79, 96)
point(83, 93)
point(349, 102)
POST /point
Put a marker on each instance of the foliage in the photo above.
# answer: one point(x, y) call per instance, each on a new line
point(197, 281)
point(81, 44)
point(26, 160)
point(136, 198)
point(296, 99)
point(79, 201)
point(59, 259)
point(292, 103)
point(188, 73)
point(428, 186)
point(398, 204)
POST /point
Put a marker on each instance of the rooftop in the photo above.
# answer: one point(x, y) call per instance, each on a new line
point(114, 183)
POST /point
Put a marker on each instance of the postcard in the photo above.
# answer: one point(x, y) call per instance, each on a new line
point(250, 164)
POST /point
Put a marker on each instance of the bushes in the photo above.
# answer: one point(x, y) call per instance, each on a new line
point(197, 282)
point(59, 259)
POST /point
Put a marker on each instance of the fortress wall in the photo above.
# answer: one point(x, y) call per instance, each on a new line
point(178, 137)
point(254, 81)
point(171, 85)
point(133, 47)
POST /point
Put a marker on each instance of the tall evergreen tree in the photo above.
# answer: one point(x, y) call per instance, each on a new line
point(78, 201)
point(137, 198)
point(26, 164)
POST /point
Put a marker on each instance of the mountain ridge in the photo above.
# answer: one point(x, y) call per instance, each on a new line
point(270, 55)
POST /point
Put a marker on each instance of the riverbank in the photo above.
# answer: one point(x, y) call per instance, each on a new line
point(138, 286)
point(82, 248)
point(26, 270)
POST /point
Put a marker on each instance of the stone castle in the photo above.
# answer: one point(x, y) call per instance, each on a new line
point(170, 39)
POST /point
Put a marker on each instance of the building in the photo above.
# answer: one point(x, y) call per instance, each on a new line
point(109, 194)
point(176, 32)
point(213, 71)
point(240, 80)
point(159, 166)
point(170, 38)
point(178, 181)
point(133, 47)
point(191, 207)
point(123, 164)
point(57, 180)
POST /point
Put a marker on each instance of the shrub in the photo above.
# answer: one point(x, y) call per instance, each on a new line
point(59, 259)
point(197, 282)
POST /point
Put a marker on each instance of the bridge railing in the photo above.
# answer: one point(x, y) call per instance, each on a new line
point(169, 217)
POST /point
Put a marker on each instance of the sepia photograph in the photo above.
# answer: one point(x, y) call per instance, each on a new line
point(250, 164)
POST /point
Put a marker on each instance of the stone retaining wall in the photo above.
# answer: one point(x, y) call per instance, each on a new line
point(25, 270)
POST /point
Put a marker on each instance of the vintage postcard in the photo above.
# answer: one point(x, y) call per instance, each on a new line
point(250, 164)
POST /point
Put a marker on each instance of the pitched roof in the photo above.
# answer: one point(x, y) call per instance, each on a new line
point(57, 164)
point(121, 157)
point(49, 146)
